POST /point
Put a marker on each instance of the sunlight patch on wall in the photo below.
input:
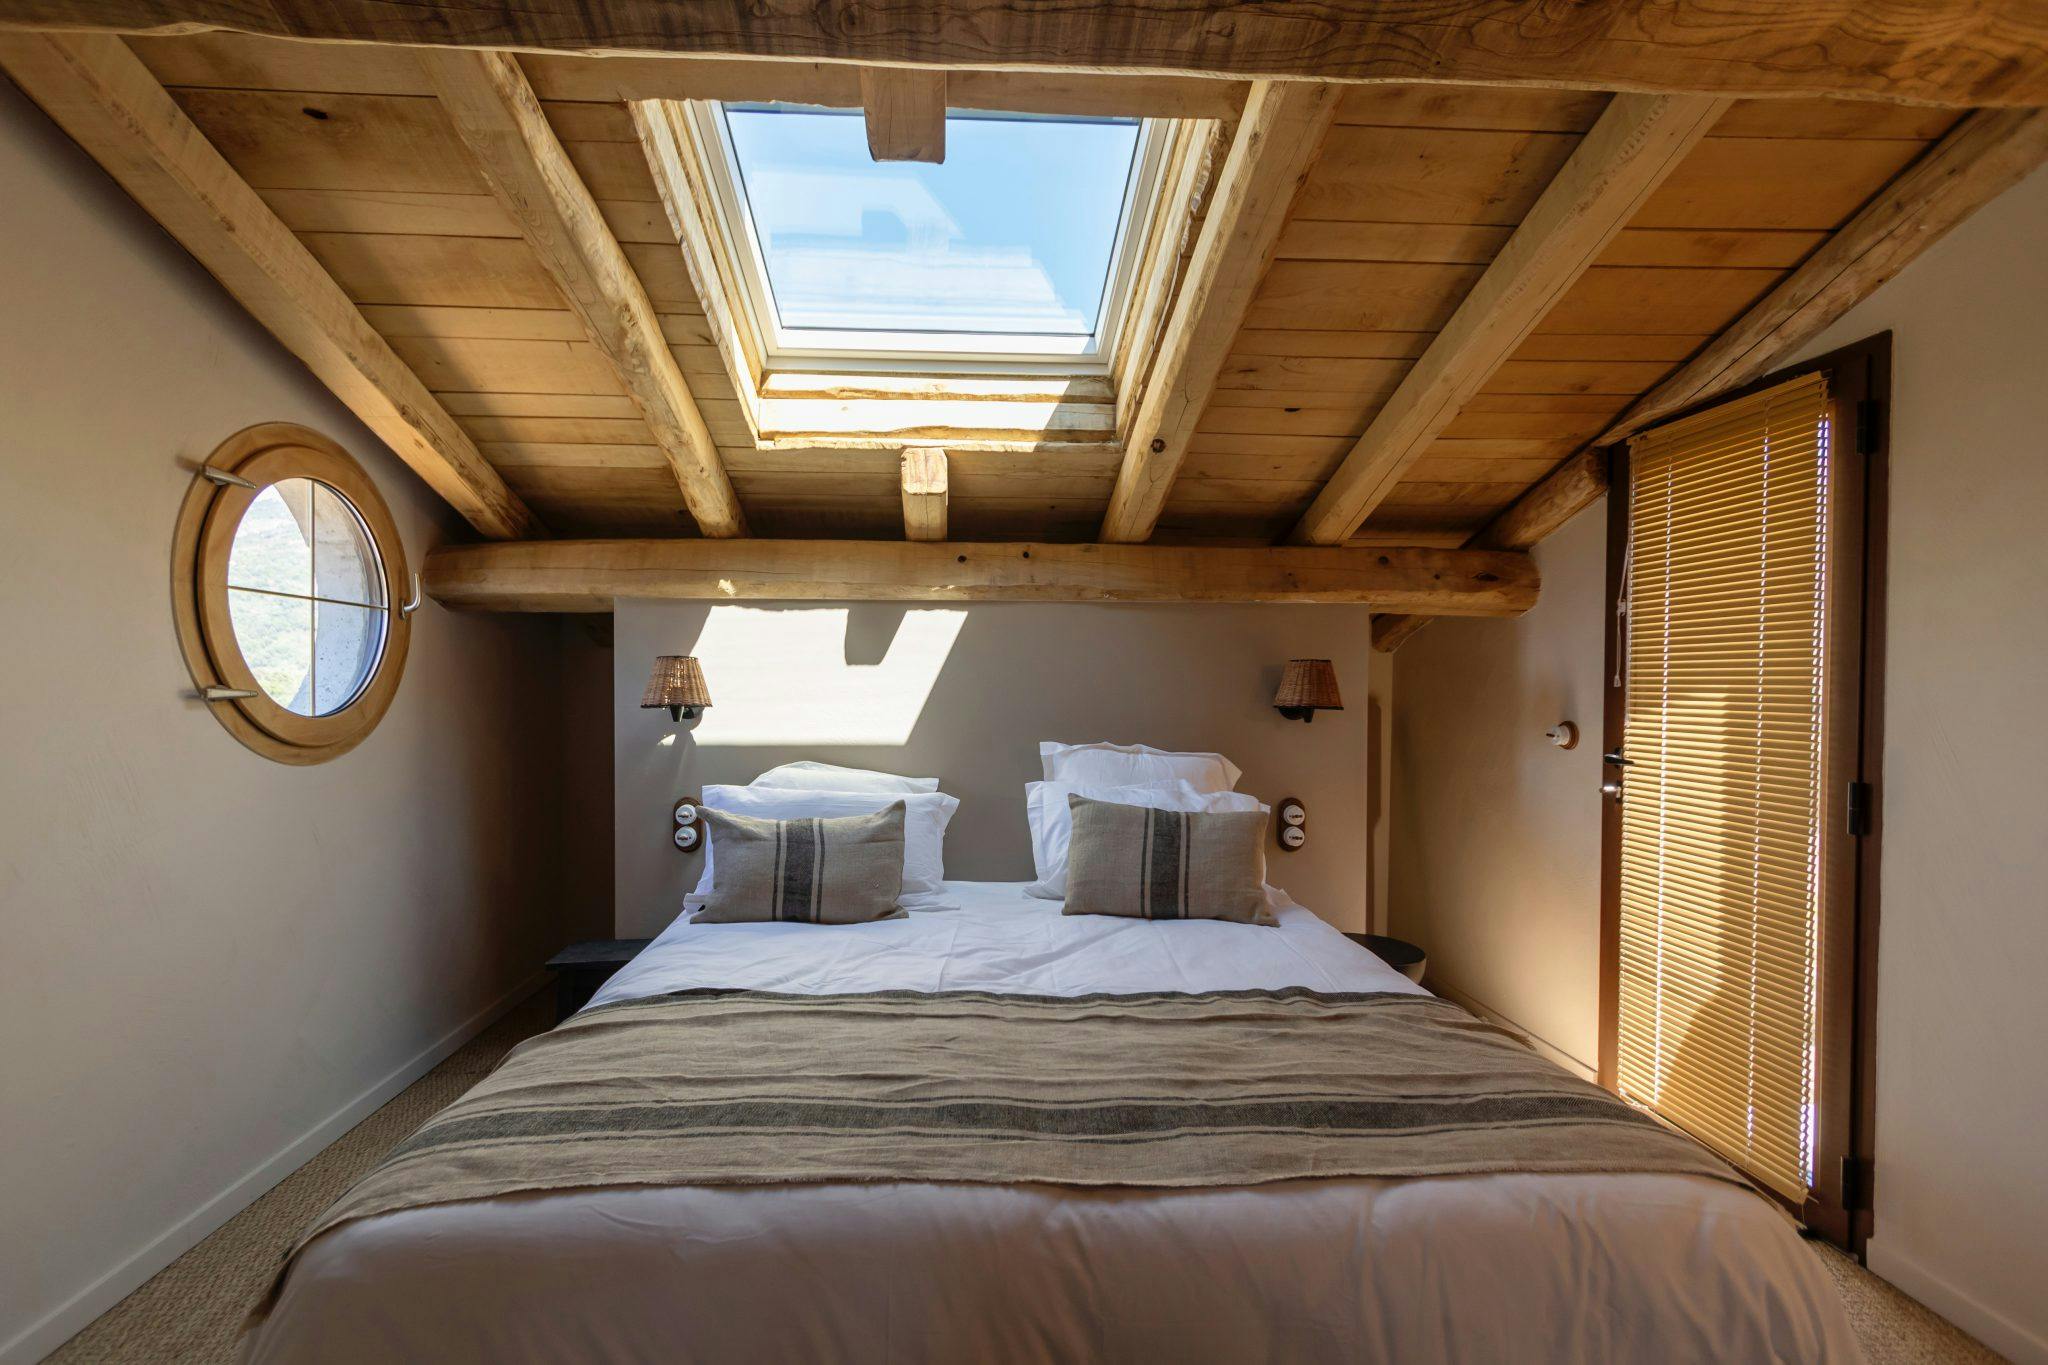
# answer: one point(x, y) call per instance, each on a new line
point(783, 677)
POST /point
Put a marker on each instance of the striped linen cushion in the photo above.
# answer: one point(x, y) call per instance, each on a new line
point(1166, 864)
point(846, 870)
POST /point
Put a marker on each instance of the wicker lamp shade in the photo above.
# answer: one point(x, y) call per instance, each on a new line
point(1306, 687)
point(678, 683)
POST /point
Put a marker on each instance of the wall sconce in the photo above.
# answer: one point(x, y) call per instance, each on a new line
point(1306, 687)
point(678, 684)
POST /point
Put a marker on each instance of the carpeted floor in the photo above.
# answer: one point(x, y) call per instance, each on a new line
point(191, 1313)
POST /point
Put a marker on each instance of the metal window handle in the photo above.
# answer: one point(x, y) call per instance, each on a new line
point(225, 478)
point(407, 608)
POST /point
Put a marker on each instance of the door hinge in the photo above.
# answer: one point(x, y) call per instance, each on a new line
point(1860, 798)
point(1856, 1176)
point(1868, 414)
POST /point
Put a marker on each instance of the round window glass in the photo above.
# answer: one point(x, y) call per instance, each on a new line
point(306, 597)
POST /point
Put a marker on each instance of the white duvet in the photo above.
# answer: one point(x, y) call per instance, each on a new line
point(1564, 1268)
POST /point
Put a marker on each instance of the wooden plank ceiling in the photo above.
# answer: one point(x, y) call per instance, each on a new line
point(1416, 189)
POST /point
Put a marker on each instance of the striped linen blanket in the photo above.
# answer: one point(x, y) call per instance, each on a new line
point(712, 1087)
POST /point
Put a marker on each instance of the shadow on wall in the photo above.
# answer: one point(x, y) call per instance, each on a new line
point(853, 675)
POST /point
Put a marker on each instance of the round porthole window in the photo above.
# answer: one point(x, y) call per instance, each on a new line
point(288, 577)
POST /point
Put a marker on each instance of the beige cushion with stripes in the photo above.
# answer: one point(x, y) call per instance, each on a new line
point(845, 870)
point(1166, 864)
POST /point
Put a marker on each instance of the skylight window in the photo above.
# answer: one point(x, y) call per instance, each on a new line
point(1016, 247)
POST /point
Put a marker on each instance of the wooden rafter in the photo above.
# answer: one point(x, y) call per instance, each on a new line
point(924, 494)
point(1571, 488)
point(1983, 156)
point(1276, 143)
point(500, 120)
point(96, 89)
point(906, 113)
point(1638, 141)
point(589, 575)
point(1953, 52)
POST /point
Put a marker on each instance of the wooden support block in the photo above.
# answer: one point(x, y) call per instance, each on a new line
point(924, 494)
point(906, 113)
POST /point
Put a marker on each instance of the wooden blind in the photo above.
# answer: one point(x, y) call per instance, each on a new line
point(1721, 808)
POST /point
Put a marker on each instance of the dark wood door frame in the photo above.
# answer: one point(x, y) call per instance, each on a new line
point(1839, 1208)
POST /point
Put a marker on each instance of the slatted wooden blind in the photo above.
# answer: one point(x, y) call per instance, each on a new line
point(1721, 809)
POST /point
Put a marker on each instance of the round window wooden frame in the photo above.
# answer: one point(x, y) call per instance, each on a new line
point(265, 455)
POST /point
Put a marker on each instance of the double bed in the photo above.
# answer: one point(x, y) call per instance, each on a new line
point(1509, 1265)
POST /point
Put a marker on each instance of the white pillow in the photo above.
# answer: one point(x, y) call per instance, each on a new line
point(1128, 765)
point(925, 816)
point(1052, 824)
point(805, 775)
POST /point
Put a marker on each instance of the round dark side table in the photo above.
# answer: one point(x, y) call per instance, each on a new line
point(1398, 953)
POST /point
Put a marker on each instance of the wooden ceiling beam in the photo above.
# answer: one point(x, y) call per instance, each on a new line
point(837, 85)
point(1983, 156)
point(1637, 142)
point(905, 108)
point(1570, 489)
point(500, 120)
point(1276, 143)
point(589, 575)
point(1948, 52)
point(100, 94)
point(924, 494)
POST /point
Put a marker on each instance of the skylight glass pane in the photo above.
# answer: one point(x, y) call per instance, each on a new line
point(1012, 235)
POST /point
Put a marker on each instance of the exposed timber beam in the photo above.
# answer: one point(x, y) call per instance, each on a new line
point(100, 94)
point(1984, 155)
point(500, 120)
point(1571, 488)
point(1950, 52)
point(837, 85)
point(905, 108)
point(1276, 143)
point(589, 575)
point(1638, 141)
point(924, 494)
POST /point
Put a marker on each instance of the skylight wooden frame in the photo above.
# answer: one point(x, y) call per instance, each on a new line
point(960, 404)
point(966, 352)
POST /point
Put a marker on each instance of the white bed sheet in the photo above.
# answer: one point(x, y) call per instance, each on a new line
point(1000, 939)
point(1507, 1267)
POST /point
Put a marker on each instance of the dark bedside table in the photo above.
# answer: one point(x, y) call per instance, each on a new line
point(581, 968)
point(1398, 953)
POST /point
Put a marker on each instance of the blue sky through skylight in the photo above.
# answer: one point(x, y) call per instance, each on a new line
point(1011, 235)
